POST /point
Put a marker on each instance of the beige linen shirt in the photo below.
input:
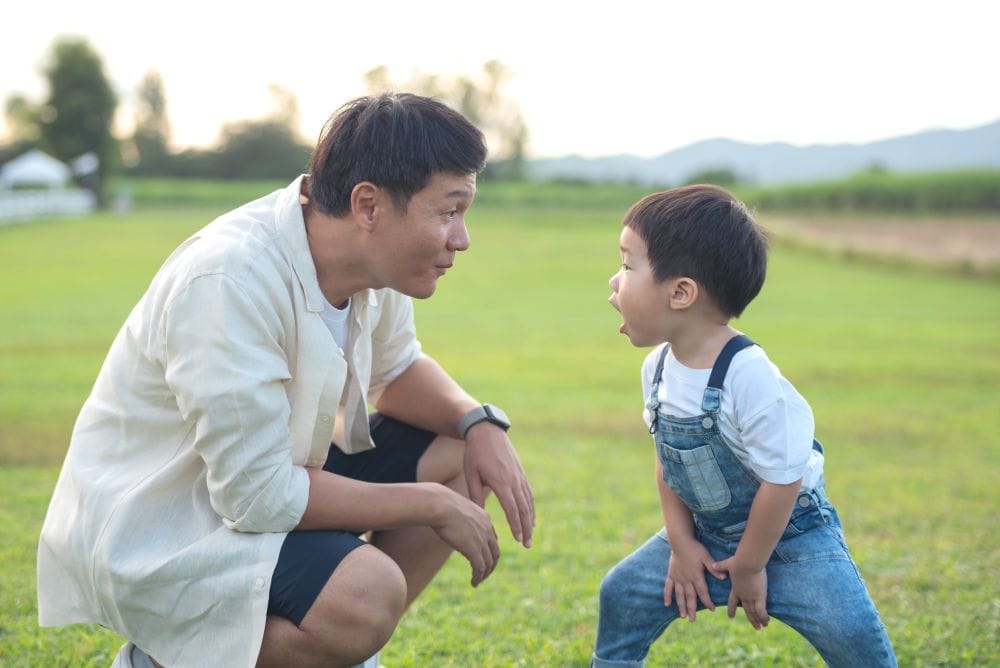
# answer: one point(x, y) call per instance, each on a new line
point(186, 464)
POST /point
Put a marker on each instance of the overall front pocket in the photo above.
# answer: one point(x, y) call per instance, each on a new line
point(695, 475)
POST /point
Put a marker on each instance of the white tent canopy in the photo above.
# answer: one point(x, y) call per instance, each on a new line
point(35, 168)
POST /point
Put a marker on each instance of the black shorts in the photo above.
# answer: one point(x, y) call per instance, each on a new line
point(308, 558)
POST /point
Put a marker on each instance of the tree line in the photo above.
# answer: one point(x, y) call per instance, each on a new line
point(77, 117)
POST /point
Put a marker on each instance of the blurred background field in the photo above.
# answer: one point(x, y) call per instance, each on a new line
point(899, 359)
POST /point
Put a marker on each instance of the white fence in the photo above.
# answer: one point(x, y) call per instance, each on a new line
point(23, 205)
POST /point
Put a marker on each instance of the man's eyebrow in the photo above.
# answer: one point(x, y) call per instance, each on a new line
point(461, 192)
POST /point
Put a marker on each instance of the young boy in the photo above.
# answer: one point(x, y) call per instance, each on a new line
point(739, 474)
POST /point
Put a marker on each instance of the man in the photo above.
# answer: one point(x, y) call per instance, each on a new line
point(202, 512)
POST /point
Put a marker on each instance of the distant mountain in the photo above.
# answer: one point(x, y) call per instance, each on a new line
point(932, 150)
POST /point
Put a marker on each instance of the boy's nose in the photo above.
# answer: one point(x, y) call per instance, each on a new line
point(613, 282)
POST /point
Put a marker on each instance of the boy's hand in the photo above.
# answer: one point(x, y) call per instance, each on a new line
point(686, 579)
point(749, 591)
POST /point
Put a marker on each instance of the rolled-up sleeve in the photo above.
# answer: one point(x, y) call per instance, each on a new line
point(394, 341)
point(779, 439)
point(224, 361)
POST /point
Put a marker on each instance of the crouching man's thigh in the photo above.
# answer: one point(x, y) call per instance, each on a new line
point(351, 619)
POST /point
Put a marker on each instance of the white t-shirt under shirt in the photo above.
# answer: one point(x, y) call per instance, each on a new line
point(766, 422)
point(336, 320)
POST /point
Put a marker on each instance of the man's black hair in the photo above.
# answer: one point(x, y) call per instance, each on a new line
point(398, 141)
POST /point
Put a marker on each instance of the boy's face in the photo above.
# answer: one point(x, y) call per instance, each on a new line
point(638, 296)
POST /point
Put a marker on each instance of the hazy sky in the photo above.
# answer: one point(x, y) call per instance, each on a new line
point(623, 77)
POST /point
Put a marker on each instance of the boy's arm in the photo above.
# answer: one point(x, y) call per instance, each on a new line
point(769, 513)
point(688, 558)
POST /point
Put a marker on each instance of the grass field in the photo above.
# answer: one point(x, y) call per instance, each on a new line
point(901, 365)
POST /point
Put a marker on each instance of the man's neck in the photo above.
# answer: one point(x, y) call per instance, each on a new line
point(334, 244)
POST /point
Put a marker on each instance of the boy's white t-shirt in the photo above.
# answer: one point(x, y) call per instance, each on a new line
point(766, 422)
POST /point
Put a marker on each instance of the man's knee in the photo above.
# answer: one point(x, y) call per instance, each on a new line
point(359, 608)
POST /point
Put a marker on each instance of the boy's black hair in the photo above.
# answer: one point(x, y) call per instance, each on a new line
point(398, 141)
point(704, 233)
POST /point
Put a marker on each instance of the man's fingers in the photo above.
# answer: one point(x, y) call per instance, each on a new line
point(526, 504)
point(668, 592)
point(511, 510)
point(478, 567)
point(731, 608)
point(476, 494)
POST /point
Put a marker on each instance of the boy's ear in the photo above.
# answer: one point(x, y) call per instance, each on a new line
point(682, 293)
point(365, 198)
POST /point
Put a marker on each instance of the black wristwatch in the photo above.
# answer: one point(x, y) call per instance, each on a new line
point(487, 413)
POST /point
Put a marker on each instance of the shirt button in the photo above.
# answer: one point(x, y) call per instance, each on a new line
point(324, 418)
point(804, 501)
point(258, 583)
point(707, 423)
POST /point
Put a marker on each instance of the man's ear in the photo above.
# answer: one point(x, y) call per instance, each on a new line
point(682, 292)
point(365, 200)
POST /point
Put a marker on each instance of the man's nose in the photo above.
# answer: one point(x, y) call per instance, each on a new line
point(459, 239)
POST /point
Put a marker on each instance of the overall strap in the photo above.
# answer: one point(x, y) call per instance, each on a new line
point(712, 399)
point(653, 399)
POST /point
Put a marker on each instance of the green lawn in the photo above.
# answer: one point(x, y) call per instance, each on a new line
point(902, 368)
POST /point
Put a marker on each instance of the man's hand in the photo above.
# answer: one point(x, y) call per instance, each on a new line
point(686, 579)
point(490, 461)
point(467, 527)
point(749, 591)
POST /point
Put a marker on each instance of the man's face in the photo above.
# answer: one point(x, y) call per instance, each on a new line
point(636, 294)
point(420, 244)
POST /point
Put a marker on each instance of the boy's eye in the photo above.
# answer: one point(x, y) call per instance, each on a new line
point(625, 267)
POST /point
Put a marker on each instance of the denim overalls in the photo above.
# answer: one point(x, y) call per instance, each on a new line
point(813, 584)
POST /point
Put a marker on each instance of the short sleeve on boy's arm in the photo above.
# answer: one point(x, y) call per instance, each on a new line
point(778, 439)
point(774, 421)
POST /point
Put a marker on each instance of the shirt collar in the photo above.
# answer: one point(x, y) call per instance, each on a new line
point(292, 229)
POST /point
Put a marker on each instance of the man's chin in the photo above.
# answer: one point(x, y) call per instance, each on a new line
point(420, 291)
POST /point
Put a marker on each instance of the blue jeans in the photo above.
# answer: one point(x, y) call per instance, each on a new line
point(812, 585)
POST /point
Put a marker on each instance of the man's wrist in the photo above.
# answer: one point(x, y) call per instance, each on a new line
point(485, 413)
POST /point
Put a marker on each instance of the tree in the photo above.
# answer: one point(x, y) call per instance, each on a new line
point(78, 114)
point(482, 100)
point(22, 121)
point(720, 176)
point(264, 148)
point(151, 138)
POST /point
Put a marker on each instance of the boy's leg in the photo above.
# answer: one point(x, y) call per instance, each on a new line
point(814, 587)
point(632, 614)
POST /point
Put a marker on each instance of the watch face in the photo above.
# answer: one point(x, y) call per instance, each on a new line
point(497, 416)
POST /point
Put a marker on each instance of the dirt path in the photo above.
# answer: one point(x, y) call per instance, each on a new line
point(970, 241)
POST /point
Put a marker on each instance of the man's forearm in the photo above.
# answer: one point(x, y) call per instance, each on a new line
point(772, 506)
point(336, 502)
point(426, 396)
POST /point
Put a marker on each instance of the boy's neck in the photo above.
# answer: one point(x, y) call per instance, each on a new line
point(699, 345)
